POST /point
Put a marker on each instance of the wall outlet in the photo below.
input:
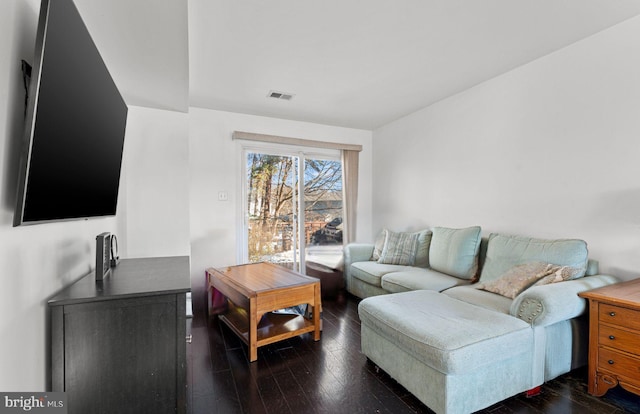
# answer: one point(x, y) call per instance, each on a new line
point(223, 196)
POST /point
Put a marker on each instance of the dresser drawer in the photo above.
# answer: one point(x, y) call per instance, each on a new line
point(619, 339)
point(619, 316)
point(619, 363)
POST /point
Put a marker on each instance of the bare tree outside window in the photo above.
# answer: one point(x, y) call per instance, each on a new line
point(271, 182)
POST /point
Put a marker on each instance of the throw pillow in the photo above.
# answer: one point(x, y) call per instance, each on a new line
point(399, 248)
point(520, 277)
point(560, 275)
point(422, 253)
point(455, 251)
point(379, 245)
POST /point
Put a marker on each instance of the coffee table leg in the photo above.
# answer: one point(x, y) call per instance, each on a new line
point(316, 312)
point(253, 331)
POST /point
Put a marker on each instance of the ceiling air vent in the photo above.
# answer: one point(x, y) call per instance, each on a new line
point(280, 95)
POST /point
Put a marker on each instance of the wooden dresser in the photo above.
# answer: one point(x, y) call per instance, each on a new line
point(614, 337)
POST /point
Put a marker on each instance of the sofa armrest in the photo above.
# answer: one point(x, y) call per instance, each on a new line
point(355, 252)
point(548, 304)
point(358, 252)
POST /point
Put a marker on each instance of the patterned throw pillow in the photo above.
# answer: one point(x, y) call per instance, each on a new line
point(399, 248)
point(520, 277)
point(560, 275)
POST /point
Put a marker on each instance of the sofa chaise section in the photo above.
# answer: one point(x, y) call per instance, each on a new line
point(450, 354)
point(467, 347)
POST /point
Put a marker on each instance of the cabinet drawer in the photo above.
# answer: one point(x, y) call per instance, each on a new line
point(619, 316)
point(619, 363)
point(619, 339)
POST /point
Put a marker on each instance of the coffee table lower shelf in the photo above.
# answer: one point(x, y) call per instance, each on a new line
point(273, 327)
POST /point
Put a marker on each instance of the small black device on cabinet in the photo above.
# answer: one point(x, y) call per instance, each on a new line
point(115, 259)
point(103, 255)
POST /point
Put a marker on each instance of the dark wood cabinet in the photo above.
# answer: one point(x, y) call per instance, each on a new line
point(119, 346)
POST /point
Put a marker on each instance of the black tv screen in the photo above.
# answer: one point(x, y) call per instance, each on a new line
point(75, 125)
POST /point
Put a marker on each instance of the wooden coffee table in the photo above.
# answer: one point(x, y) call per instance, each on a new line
point(255, 291)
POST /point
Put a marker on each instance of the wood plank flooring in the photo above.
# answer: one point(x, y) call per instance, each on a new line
point(332, 376)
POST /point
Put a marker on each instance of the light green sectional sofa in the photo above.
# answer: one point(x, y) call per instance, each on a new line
point(461, 346)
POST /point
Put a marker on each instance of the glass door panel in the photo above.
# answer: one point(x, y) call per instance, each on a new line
point(323, 212)
point(271, 209)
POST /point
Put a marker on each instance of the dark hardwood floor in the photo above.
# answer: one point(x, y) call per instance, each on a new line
point(332, 376)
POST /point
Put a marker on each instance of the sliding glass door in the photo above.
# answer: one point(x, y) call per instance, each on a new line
point(323, 212)
point(293, 210)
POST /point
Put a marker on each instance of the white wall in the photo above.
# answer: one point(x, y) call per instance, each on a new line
point(35, 261)
point(548, 150)
point(154, 198)
point(215, 163)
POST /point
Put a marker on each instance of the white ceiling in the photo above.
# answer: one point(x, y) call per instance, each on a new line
point(350, 63)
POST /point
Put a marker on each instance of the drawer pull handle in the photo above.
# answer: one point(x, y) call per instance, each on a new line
point(612, 337)
point(612, 313)
point(610, 362)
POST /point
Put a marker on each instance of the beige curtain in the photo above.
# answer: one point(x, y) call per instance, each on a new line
point(349, 194)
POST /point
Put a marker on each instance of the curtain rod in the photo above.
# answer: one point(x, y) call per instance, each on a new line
point(250, 136)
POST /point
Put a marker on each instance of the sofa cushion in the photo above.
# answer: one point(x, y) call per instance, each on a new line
point(505, 252)
point(372, 272)
point(481, 298)
point(451, 336)
point(520, 277)
point(399, 248)
point(455, 251)
point(419, 279)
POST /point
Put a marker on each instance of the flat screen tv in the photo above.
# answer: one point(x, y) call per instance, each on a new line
point(74, 126)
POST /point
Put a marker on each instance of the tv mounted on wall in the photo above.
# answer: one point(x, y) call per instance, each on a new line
point(74, 126)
